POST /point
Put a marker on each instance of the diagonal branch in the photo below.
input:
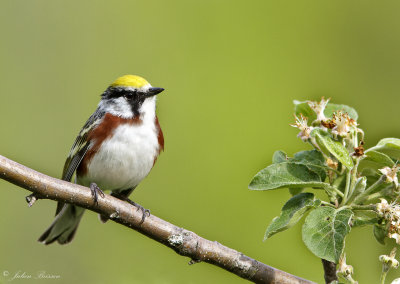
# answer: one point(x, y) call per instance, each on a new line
point(184, 242)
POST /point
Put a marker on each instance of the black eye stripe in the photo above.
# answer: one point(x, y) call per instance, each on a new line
point(118, 92)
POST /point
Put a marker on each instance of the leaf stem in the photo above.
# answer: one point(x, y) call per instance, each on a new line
point(332, 188)
point(327, 204)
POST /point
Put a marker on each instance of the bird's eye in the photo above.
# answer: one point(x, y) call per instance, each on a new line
point(127, 95)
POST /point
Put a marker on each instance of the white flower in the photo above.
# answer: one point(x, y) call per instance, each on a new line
point(391, 174)
point(383, 207)
point(305, 130)
point(391, 213)
point(319, 108)
point(389, 260)
point(343, 123)
point(394, 236)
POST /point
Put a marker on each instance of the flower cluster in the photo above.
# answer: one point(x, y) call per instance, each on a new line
point(389, 261)
point(391, 213)
point(342, 123)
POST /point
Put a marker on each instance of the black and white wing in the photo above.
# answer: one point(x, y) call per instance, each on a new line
point(81, 145)
point(79, 149)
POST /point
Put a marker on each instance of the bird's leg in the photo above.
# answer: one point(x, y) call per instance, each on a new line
point(96, 191)
point(138, 206)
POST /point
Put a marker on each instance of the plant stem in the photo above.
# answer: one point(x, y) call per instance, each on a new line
point(353, 177)
point(347, 188)
point(363, 207)
point(370, 189)
point(383, 276)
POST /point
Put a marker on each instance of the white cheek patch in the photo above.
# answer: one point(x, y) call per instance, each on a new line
point(117, 106)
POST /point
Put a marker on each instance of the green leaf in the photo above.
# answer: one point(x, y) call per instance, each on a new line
point(324, 232)
point(304, 109)
point(291, 213)
point(334, 147)
point(309, 157)
point(360, 222)
point(388, 146)
point(380, 234)
point(314, 160)
point(379, 158)
point(286, 175)
point(359, 187)
point(279, 157)
point(375, 160)
point(294, 191)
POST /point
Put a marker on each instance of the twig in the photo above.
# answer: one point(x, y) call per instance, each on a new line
point(32, 198)
point(184, 242)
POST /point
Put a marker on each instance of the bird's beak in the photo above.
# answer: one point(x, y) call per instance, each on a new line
point(154, 91)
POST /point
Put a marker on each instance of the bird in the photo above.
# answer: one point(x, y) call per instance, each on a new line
point(115, 150)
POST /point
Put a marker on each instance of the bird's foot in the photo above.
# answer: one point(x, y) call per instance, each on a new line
point(96, 191)
point(139, 207)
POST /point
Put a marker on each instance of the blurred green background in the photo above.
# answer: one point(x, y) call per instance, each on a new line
point(231, 70)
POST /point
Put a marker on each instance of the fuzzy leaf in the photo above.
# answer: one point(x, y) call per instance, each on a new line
point(375, 160)
point(388, 146)
point(294, 191)
point(334, 147)
point(286, 174)
point(304, 109)
point(359, 222)
point(380, 234)
point(309, 157)
point(291, 213)
point(324, 232)
point(279, 157)
point(314, 160)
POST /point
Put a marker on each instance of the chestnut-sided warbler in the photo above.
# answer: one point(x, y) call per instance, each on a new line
point(115, 150)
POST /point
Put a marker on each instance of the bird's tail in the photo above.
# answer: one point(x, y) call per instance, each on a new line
point(64, 226)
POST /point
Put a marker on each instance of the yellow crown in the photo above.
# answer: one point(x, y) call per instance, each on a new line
point(130, 81)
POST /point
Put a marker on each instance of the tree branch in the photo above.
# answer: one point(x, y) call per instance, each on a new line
point(184, 242)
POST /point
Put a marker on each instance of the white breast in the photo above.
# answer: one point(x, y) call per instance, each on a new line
point(126, 158)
